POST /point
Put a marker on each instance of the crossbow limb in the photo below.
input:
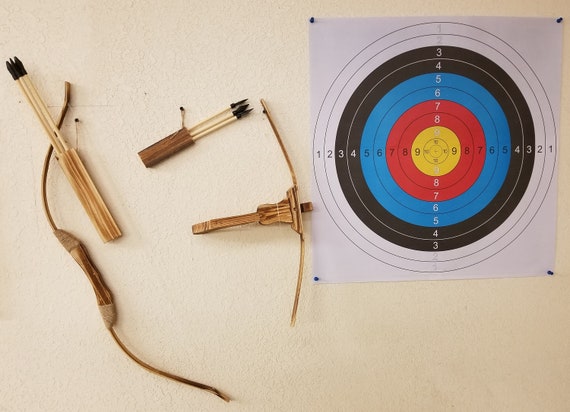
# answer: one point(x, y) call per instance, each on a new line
point(287, 210)
point(104, 297)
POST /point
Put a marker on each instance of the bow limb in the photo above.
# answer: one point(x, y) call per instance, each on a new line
point(168, 375)
point(281, 145)
point(297, 209)
point(47, 158)
point(299, 279)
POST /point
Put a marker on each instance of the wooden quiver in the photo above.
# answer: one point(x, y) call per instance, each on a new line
point(166, 147)
point(88, 195)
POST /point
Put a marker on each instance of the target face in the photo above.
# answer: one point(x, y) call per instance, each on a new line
point(434, 149)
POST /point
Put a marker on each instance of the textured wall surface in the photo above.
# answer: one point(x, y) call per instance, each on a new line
point(216, 308)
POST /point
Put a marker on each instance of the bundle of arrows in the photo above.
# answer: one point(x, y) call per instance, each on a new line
point(185, 137)
point(67, 157)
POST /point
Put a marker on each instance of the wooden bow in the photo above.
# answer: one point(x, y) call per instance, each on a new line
point(103, 294)
point(287, 210)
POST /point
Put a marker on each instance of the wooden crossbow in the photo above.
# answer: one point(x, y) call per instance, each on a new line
point(287, 210)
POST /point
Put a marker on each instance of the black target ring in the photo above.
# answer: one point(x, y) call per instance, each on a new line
point(453, 60)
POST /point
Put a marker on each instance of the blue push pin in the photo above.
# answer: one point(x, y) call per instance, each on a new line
point(312, 19)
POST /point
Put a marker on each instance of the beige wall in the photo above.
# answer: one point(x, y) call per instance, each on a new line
point(216, 308)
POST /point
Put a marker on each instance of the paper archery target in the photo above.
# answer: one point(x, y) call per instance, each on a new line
point(434, 147)
point(465, 177)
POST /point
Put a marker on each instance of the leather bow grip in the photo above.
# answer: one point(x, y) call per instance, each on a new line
point(102, 292)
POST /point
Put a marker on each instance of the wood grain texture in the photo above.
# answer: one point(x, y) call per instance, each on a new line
point(287, 210)
point(88, 195)
point(225, 222)
point(81, 256)
point(166, 147)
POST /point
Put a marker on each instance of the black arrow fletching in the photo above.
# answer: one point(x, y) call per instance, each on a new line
point(240, 109)
point(244, 113)
point(12, 70)
point(237, 103)
point(16, 68)
point(20, 65)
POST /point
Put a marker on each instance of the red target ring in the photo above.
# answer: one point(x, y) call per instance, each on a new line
point(471, 150)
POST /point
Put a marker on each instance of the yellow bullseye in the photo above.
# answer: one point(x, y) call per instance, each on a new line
point(436, 151)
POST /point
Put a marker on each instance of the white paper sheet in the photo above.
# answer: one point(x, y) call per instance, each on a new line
point(435, 147)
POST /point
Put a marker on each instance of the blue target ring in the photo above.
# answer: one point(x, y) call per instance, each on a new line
point(401, 98)
point(471, 80)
